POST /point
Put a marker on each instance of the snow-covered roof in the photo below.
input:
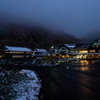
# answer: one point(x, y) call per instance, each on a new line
point(43, 54)
point(70, 46)
point(60, 45)
point(33, 54)
point(98, 40)
point(41, 50)
point(10, 48)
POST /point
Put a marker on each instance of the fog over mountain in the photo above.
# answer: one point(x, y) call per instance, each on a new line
point(90, 37)
point(33, 37)
point(75, 17)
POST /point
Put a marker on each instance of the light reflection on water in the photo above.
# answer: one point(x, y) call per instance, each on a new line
point(79, 68)
point(83, 65)
point(83, 62)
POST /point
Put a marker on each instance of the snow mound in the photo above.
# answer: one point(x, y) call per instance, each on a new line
point(30, 88)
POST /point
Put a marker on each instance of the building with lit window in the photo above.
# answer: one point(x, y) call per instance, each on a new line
point(16, 52)
point(94, 50)
point(79, 51)
point(60, 50)
point(86, 51)
point(39, 53)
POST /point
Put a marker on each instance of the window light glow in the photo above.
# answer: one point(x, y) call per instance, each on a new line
point(97, 46)
point(92, 50)
point(6, 52)
point(84, 51)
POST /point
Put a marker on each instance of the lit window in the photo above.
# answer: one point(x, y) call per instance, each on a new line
point(11, 51)
point(0, 56)
point(16, 52)
point(6, 52)
point(16, 56)
point(33, 52)
point(28, 52)
point(92, 50)
point(84, 51)
point(51, 47)
point(97, 46)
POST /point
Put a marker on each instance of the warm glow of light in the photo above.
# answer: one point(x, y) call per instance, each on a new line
point(97, 46)
point(33, 52)
point(16, 52)
point(16, 56)
point(11, 51)
point(6, 52)
point(79, 56)
point(67, 67)
point(92, 50)
point(83, 51)
point(84, 62)
point(52, 47)
point(0, 56)
point(20, 72)
point(28, 52)
point(84, 68)
point(92, 61)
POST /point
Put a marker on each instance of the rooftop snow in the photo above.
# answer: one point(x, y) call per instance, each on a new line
point(17, 48)
point(41, 50)
point(70, 46)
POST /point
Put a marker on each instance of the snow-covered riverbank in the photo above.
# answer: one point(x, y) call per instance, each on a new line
point(19, 85)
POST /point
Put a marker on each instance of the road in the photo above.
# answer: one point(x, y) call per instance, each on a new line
point(70, 82)
point(73, 81)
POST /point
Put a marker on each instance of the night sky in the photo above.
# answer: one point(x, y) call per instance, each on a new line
point(76, 17)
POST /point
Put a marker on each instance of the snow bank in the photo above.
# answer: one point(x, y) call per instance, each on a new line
point(19, 85)
point(30, 88)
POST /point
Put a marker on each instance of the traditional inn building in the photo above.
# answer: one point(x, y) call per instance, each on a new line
point(39, 53)
point(16, 52)
point(60, 50)
point(94, 50)
point(86, 51)
point(79, 51)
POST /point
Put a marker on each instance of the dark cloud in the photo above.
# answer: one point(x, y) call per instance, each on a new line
point(76, 17)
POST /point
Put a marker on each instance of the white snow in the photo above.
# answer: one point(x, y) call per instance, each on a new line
point(10, 48)
point(70, 46)
point(30, 88)
point(41, 50)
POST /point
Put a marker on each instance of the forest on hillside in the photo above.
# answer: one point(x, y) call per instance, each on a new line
point(33, 37)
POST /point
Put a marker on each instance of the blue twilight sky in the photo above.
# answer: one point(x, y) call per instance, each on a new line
point(76, 17)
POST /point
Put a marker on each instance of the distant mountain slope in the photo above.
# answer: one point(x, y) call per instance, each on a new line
point(33, 37)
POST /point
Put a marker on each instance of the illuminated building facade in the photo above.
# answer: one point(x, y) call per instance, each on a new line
point(60, 50)
point(16, 52)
